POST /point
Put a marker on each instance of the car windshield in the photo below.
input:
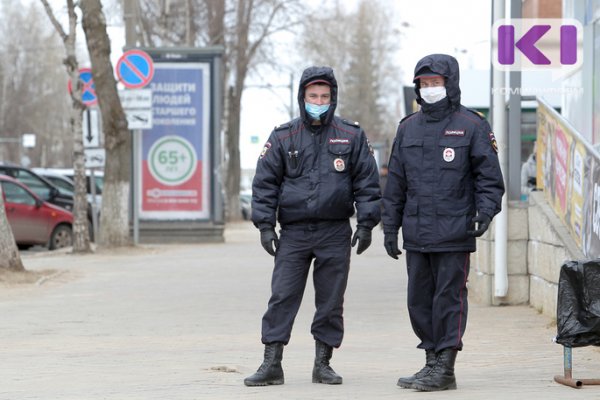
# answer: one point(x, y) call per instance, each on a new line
point(63, 185)
point(34, 183)
point(99, 182)
point(16, 194)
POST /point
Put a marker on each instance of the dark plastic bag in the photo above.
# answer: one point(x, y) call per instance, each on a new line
point(578, 307)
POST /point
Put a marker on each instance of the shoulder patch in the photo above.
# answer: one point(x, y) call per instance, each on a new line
point(351, 123)
point(264, 150)
point(493, 141)
point(402, 120)
point(282, 127)
point(478, 113)
point(371, 151)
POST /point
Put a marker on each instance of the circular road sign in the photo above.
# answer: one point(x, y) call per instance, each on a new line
point(88, 90)
point(135, 69)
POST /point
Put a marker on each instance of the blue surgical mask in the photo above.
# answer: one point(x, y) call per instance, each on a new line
point(315, 110)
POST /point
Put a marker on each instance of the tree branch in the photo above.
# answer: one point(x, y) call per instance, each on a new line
point(55, 23)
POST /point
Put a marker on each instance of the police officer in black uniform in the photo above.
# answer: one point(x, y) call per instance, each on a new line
point(312, 173)
point(444, 187)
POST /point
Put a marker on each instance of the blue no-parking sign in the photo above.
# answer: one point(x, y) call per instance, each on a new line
point(88, 91)
point(135, 69)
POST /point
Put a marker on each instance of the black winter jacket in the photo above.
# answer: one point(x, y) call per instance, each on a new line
point(310, 175)
point(442, 170)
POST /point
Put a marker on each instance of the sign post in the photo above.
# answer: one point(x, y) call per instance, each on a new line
point(135, 70)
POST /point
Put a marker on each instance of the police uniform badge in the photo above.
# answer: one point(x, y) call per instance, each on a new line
point(339, 165)
point(265, 150)
point(494, 143)
point(448, 154)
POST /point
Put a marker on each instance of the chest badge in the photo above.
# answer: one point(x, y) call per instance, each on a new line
point(339, 165)
point(448, 154)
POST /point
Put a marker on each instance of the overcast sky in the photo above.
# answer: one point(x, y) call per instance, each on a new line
point(460, 28)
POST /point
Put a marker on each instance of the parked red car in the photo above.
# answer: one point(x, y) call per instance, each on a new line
point(34, 221)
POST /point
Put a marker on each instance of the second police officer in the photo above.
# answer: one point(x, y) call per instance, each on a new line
point(312, 173)
point(444, 187)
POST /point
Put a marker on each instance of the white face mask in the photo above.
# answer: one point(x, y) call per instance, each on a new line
point(433, 94)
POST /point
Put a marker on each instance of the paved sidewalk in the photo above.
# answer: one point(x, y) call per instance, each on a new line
point(183, 322)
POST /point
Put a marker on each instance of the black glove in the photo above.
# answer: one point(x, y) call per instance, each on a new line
point(390, 242)
point(363, 237)
point(269, 240)
point(484, 223)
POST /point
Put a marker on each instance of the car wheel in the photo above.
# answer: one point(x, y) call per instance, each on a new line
point(61, 237)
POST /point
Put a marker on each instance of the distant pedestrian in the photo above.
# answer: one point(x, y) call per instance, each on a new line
point(529, 173)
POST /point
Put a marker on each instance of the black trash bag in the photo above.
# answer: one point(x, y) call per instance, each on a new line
point(578, 307)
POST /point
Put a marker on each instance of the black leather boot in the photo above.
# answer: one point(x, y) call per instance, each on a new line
point(270, 371)
point(322, 372)
point(441, 376)
point(430, 358)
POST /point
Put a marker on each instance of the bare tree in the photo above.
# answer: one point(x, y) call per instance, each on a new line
point(255, 22)
point(361, 47)
point(9, 253)
point(168, 23)
point(114, 224)
point(31, 83)
point(81, 237)
point(243, 27)
point(326, 39)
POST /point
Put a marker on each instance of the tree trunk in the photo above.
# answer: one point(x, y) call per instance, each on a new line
point(243, 55)
point(114, 223)
point(81, 233)
point(9, 254)
point(233, 150)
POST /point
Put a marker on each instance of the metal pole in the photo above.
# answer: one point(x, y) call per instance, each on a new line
point(94, 204)
point(514, 123)
point(129, 14)
point(499, 127)
point(129, 19)
point(136, 185)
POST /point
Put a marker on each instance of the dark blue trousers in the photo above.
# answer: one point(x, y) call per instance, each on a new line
point(437, 298)
point(328, 243)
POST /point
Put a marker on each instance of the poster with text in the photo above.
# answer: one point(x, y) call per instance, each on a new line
point(592, 248)
point(175, 164)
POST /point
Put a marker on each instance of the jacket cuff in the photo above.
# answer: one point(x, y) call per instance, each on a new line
point(390, 230)
point(265, 226)
point(489, 213)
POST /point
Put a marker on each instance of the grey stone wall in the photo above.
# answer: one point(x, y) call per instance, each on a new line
point(538, 245)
